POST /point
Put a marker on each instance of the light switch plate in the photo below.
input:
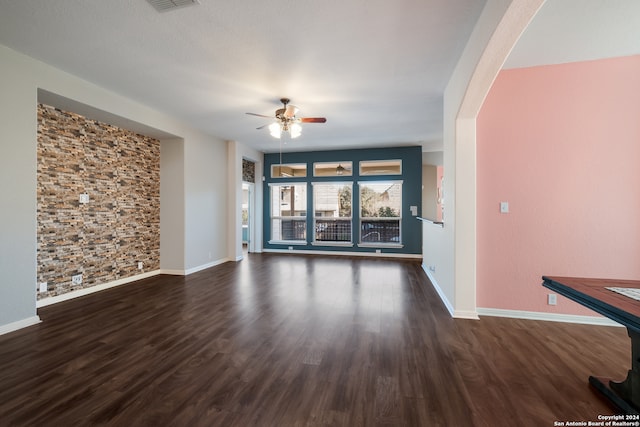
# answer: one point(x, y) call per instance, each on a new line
point(504, 207)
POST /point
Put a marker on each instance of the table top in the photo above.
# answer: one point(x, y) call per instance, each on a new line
point(592, 293)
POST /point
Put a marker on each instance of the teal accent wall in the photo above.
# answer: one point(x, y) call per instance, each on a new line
point(411, 177)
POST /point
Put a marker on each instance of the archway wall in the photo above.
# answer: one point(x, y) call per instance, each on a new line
point(454, 246)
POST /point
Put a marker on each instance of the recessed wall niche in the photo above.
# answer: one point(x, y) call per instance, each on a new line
point(107, 237)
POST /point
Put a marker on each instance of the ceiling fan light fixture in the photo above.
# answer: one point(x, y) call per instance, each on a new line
point(275, 130)
point(290, 111)
point(296, 130)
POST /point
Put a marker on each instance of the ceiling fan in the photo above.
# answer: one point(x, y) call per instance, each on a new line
point(287, 121)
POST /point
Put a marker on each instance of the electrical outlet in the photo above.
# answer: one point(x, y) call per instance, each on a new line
point(378, 251)
point(139, 265)
point(77, 279)
point(43, 287)
point(290, 248)
point(432, 268)
point(552, 299)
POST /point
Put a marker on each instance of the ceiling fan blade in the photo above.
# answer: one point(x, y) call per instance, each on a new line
point(263, 126)
point(313, 119)
point(259, 115)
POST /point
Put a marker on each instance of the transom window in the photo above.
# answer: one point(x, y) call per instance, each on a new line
point(289, 170)
point(380, 167)
point(332, 169)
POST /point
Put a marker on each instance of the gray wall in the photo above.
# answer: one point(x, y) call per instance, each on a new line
point(172, 205)
point(18, 136)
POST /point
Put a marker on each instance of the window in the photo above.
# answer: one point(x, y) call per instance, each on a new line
point(332, 212)
point(289, 170)
point(332, 169)
point(380, 167)
point(289, 212)
point(380, 212)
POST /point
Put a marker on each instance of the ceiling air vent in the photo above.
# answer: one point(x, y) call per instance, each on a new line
point(165, 5)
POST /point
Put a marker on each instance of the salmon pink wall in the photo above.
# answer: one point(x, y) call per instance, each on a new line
point(561, 144)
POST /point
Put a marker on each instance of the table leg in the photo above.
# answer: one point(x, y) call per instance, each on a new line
point(625, 394)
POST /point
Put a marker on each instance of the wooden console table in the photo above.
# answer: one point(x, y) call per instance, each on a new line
point(592, 293)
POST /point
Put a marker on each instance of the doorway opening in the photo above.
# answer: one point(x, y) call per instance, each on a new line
point(248, 207)
point(247, 193)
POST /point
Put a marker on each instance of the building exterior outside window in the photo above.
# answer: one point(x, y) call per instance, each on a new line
point(332, 203)
point(289, 212)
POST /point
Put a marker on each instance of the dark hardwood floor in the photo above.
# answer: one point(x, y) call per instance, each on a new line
point(286, 340)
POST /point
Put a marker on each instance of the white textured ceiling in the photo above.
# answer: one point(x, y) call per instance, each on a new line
point(376, 69)
point(578, 30)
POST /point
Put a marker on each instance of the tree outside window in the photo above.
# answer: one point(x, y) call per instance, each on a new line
point(380, 212)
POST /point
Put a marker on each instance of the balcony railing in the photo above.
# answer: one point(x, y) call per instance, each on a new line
point(333, 230)
point(380, 231)
point(289, 229)
point(337, 230)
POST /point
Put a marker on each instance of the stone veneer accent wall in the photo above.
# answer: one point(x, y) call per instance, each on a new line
point(248, 171)
point(120, 226)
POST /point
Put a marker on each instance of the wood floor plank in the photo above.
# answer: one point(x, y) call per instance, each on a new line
point(288, 340)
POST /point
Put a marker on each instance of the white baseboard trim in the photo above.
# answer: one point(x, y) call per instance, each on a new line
point(441, 294)
point(549, 317)
point(97, 288)
point(14, 326)
point(465, 314)
point(457, 314)
point(205, 266)
point(347, 253)
point(86, 291)
point(172, 272)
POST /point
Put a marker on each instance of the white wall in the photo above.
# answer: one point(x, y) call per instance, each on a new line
point(204, 196)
